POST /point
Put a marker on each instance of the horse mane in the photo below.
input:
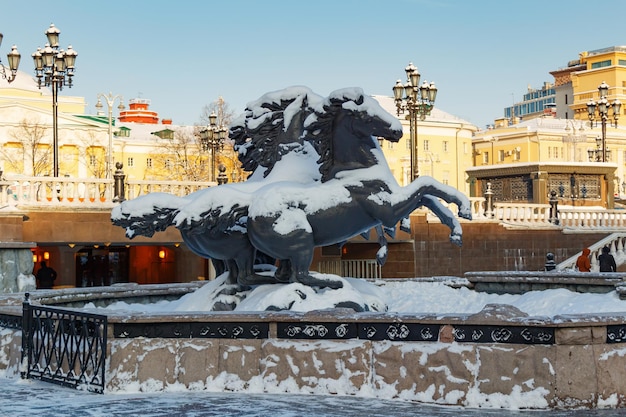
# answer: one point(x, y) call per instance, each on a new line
point(320, 132)
point(263, 139)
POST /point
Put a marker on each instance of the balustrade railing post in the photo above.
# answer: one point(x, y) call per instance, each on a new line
point(119, 176)
point(489, 202)
point(554, 212)
point(26, 339)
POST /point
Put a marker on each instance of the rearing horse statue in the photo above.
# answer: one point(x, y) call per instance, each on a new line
point(318, 177)
point(288, 220)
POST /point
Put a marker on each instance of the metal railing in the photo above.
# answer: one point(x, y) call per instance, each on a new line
point(353, 268)
point(64, 347)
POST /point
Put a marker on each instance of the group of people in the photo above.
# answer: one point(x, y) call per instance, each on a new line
point(606, 261)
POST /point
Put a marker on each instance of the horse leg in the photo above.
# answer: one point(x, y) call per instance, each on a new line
point(301, 261)
point(449, 195)
point(283, 272)
point(446, 216)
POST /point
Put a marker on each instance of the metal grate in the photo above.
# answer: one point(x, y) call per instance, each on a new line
point(64, 347)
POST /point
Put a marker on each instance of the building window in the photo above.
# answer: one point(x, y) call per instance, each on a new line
point(601, 64)
point(445, 146)
point(149, 162)
point(517, 154)
point(500, 155)
point(92, 160)
point(168, 164)
point(130, 162)
point(485, 158)
point(426, 145)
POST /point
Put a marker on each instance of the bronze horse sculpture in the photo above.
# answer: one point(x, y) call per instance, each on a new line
point(296, 144)
point(212, 221)
point(358, 192)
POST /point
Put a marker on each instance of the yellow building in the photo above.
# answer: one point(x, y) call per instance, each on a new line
point(444, 147)
point(602, 65)
point(563, 134)
point(24, 90)
point(26, 130)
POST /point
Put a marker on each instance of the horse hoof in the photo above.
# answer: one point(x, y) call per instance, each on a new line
point(258, 280)
point(322, 283)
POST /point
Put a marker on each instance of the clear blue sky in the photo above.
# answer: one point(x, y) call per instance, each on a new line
point(183, 55)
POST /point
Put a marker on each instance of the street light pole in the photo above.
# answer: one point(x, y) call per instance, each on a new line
point(56, 67)
point(14, 61)
point(212, 137)
point(417, 101)
point(603, 112)
point(110, 100)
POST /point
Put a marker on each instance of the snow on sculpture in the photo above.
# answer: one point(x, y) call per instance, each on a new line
point(318, 177)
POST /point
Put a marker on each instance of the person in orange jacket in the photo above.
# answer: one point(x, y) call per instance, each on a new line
point(583, 263)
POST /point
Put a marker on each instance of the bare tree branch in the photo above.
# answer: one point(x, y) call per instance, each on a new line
point(29, 153)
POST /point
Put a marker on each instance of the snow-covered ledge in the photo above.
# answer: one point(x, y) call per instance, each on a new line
point(495, 358)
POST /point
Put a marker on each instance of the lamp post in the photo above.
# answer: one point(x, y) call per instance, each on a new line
point(110, 100)
point(56, 67)
point(574, 136)
point(14, 61)
point(418, 101)
point(603, 112)
point(601, 153)
point(212, 137)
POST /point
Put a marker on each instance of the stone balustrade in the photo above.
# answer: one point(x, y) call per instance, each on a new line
point(99, 193)
point(84, 193)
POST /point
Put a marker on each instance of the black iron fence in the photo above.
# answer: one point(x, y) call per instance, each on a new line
point(64, 347)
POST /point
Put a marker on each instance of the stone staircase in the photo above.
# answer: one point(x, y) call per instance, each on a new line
point(615, 241)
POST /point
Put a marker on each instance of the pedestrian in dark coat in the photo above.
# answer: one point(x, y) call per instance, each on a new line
point(46, 276)
point(607, 261)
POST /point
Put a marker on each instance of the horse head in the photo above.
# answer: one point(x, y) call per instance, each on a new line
point(346, 128)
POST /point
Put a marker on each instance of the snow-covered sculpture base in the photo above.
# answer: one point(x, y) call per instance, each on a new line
point(220, 295)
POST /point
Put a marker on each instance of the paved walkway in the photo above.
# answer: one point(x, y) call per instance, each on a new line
point(34, 398)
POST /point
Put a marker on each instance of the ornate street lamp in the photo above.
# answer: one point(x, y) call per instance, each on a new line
point(213, 137)
point(418, 101)
point(596, 155)
point(14, 61)
point(603, 112)
point(56, 67)
point(110, 100)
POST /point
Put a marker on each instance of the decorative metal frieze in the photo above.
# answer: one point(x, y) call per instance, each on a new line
point(504, 334)
point(257, 330)
point(616, 334)
point(572, 186)
point(317, 330)
point(10, 322)
point(511, 189)
point(410, 332)
point(367, 331)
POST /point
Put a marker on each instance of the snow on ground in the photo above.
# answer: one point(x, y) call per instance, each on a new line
point(26, 398)
point(406, 296)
